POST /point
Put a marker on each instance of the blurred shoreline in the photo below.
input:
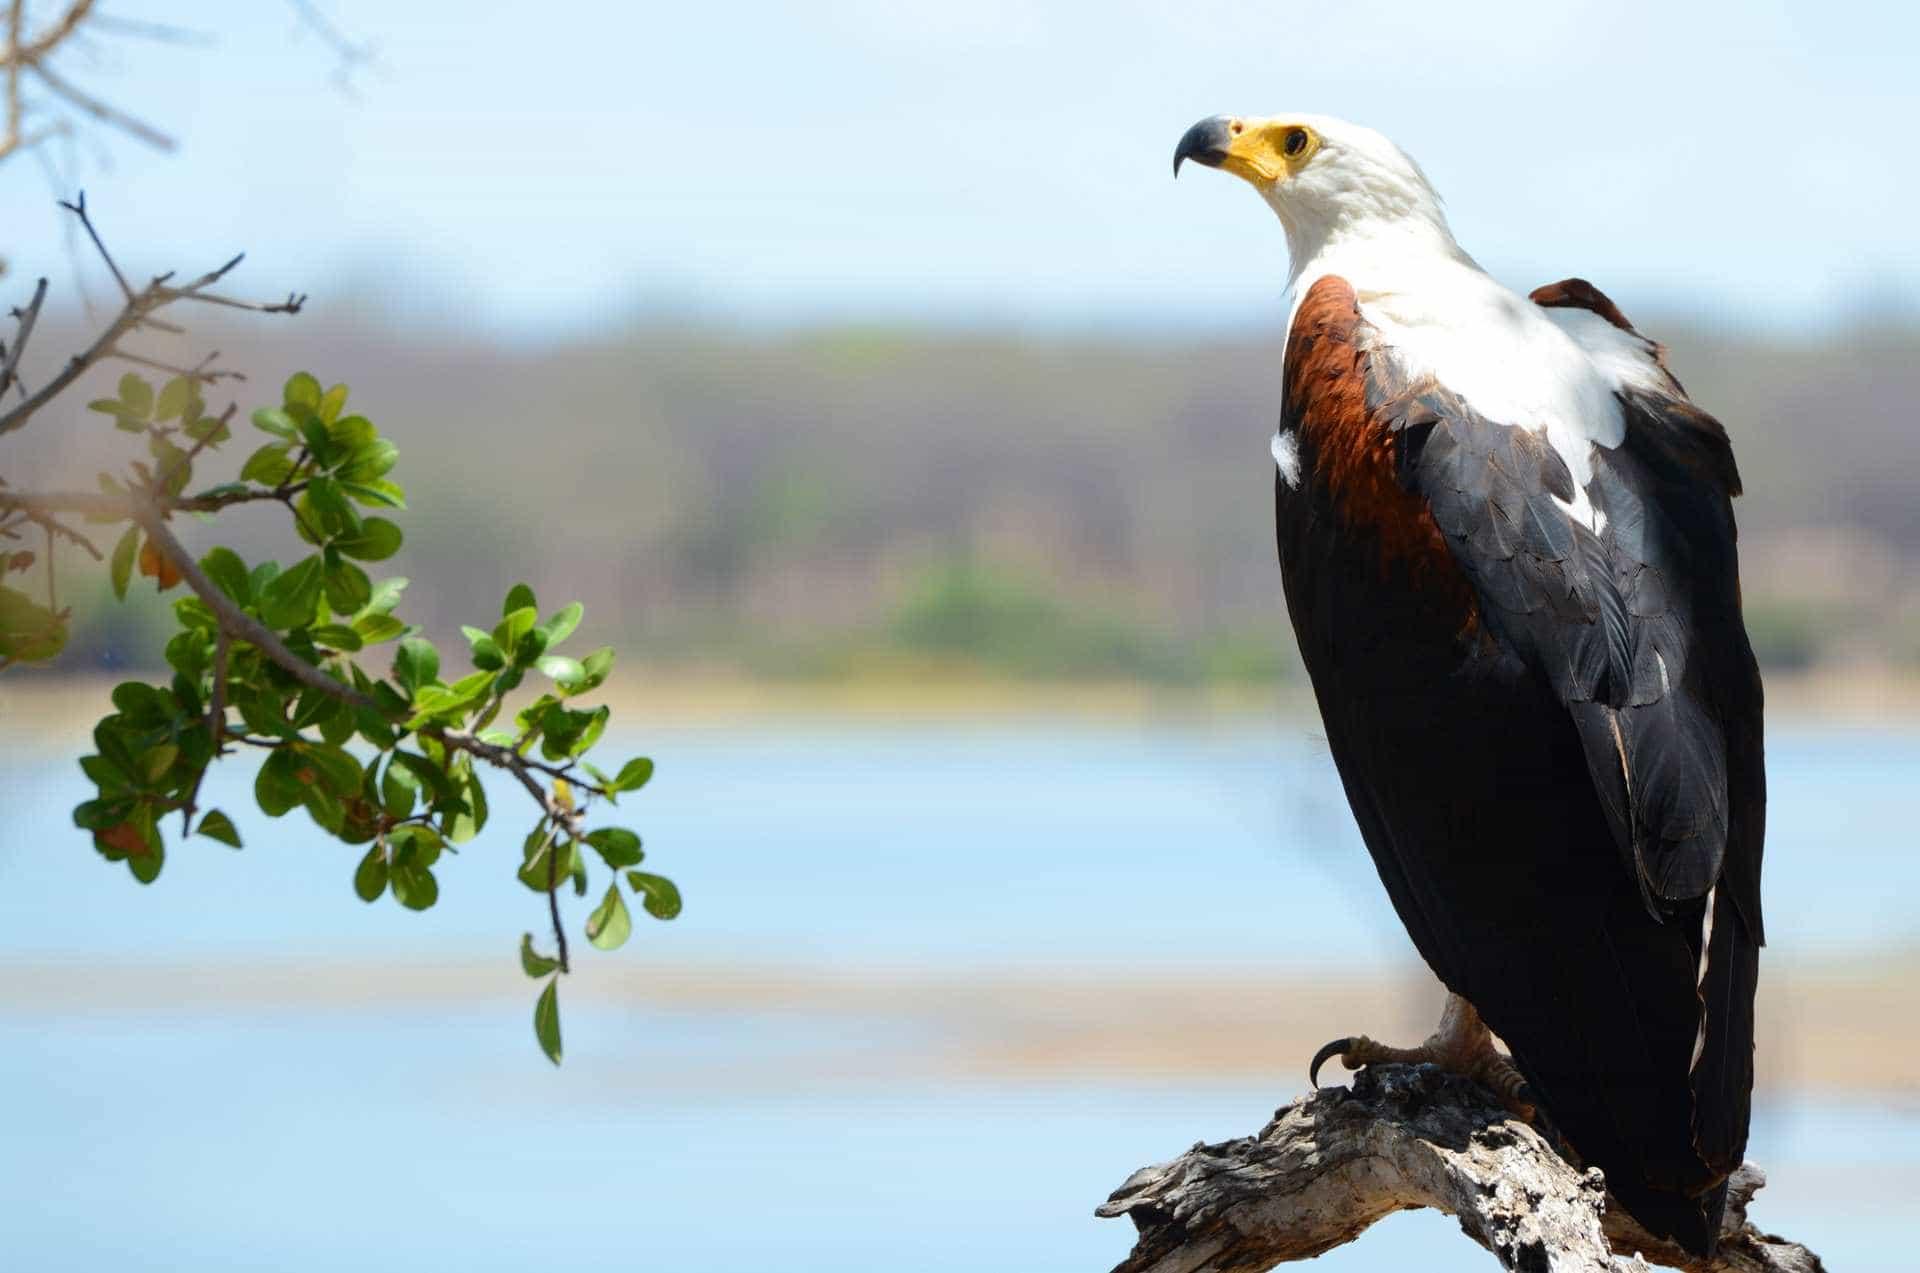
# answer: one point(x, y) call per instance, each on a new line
point(38, 707)
point(1844, 1028)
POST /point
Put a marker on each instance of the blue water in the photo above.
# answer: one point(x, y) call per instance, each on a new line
point(935, 845)
point(301, 1141)
point(308, 1137)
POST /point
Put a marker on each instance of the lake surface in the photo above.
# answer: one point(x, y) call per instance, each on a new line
point(315, 1135)
point(929, 845)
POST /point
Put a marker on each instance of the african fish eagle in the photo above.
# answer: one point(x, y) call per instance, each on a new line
point(1507, 544)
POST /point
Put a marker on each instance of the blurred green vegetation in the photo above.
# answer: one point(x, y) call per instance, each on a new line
point(835, 503)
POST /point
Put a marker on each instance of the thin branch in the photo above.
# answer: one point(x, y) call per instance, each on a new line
point(53, 525)
point(553, 900)
point(202, 372)
point(237, 622)
point(105, 112)
point(79, 209)
point(151, 517)
point(137, 312)
point(16, 13)
point(158, 32)
point(47, 41)
point(22, 334)
point(120, 507)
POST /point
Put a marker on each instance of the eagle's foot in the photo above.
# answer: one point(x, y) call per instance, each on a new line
point(1462, 1045)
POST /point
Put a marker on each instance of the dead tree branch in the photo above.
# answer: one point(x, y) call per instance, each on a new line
point(1405, 1137)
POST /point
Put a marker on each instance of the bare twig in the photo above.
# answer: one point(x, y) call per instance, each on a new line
point(137, 312)
point(27, 317)
point(553, 900)
point(1332, 1163)
point(79, 209)
point(202, 372)
point(108, 507)
point(105, 112)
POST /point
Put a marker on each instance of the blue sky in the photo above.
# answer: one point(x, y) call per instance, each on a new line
point(993, 160)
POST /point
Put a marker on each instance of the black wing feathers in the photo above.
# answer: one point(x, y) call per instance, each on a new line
point(1595, 613)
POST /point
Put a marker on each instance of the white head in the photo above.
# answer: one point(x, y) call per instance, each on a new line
point(1327, 179)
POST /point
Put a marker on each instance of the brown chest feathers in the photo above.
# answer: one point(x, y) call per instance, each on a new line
point(1349, 456)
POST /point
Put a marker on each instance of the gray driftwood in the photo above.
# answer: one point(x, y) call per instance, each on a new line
point(1403, 1137)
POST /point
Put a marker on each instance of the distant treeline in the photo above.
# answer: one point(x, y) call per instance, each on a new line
point(819, 502)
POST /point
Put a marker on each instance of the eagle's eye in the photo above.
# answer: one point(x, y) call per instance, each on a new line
point(1294, 143)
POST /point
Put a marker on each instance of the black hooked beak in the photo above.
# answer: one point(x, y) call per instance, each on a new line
point(1205, 143)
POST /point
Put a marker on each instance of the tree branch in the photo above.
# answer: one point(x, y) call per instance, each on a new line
point(137, 312)
point(1405, 1137)
point(241, 626)
point(26, 318)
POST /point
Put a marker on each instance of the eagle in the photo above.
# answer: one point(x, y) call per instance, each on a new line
point(1507, 545)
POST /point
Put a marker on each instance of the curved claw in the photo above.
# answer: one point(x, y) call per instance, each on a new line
point(1339, 1047)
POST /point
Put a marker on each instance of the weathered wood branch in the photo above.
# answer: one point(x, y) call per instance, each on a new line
point(1404, 1137)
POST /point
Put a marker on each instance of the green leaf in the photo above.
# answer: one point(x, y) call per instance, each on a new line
point(277, 788)
point(609, 926)
point(225, 568)
point(122, 567)
point(328, 408)
point(546, 1020)
point(28, 631)
point(432, 775)
point(328, 506)
point(519, 597)
point(336, 636)
point(348, 588)
point(146, 866)
point(561, 625)
point(617, 846)
point(375, 628)
point(564, 671)
point(534, 871)
point(157, 760)
point(416, 846)
point(216, 825)
point(374, 491)
point(338, 771)
point(174, 397)
point(276, 421)
point(302, 389)
point(369, 462)
point(657, 894)
point(596, 666)
point(353, 434)
point(633, 775)
point(464, 826)
point(533, 963)
point(386, 595)
point(398, 790)
point(209, 429)
point(417, 664)
point(370, 877)
point(189, 653)
point(377, 540)
point(136, 397)
point(510, 630)
point(292, 599)
point(414, 887)
point(269, 466)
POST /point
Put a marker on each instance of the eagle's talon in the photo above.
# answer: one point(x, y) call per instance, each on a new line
point(1339, 1048)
